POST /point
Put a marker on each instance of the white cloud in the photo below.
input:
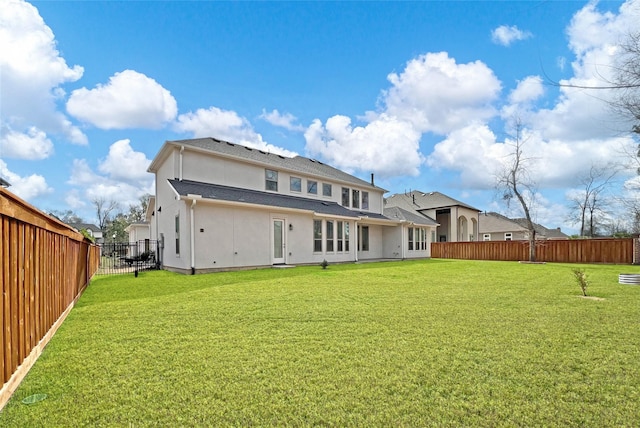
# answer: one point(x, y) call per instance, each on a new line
point(31, 72)
point(478, 157)
point(528, 90)
point(436, 94)
point(432, 94)
point(123, 163)
point(28, 188)
point(225, 125)
point(386, 146)
point(129, 100)
point(580, 113)
point(505, 35)
point(32, 145)
point(123, 179)
point(286, 120)
point(473, 152)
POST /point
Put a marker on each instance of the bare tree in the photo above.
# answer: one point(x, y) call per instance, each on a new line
point(137, 212)
point(104, 209)
point(627, 80)
point(588, 203)
point(515, 181)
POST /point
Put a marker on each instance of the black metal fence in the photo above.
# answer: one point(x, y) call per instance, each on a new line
point(128, 257)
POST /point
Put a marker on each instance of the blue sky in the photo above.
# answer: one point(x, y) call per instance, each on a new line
point(422, 94)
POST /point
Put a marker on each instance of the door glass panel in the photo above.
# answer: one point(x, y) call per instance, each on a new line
point(277, 239)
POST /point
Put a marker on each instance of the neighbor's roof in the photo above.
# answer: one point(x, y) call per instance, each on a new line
point(493, 223)
point(541, 230)
point(418, 201)
point(298, 164)
point(85, 226)
point(4, 183)
point(397, 213)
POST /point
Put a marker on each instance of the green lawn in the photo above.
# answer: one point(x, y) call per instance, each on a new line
point(423, 343)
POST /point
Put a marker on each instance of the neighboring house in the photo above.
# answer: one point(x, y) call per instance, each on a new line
point(220, 206)
point(138, 232)
point(139, 239)
point(496, 227)
point(92, 229)
point(541, 231)
point(4, 183)
point(456, 220)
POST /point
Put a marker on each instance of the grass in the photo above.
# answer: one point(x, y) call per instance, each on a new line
point(423, 343)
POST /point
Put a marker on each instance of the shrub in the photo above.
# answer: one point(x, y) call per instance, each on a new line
point(581, 279)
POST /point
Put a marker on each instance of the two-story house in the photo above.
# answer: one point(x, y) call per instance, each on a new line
point(457, 221)
point(220, 205)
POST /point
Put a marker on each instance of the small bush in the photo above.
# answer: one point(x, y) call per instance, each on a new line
point(581, 279)
point(324, 264)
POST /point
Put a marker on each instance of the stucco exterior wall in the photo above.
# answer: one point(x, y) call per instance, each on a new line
point(393, 242)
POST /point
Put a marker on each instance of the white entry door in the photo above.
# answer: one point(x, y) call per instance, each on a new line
point(277, 231)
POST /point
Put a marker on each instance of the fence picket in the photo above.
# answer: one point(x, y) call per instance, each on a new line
point(45, 266)
point(561, 251)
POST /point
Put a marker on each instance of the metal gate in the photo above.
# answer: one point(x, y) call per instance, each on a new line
point(129, 257)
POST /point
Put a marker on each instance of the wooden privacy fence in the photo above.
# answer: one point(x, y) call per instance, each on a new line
point(561, 251)
point(46, 265)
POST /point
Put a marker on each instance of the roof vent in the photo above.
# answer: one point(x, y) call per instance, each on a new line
point(249, 148)
point(264, 153)
point(231, 144)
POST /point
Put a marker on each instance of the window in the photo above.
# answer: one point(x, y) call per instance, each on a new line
point(345, 197)
point(329, 236)
point(295, 184)
point(363, 243)
point(508, 236)
point(417, 239)
point(355, 199)
point(340, 232)
point(365, 200)
point(486, 237)
point(178, 234)
point(317, 236)
point(411, 238)
point(312, 187)
point(326, 189)
point(271, 180)
point(346, 237)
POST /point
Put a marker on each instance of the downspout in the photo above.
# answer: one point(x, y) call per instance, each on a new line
point(180, 166)
point(355, 234)
point(193, 237)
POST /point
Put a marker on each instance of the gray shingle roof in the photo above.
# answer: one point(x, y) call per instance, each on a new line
point(541, 230)
point(85, 226)
point(493, 223)
point(234, 194)
point(398, 213)
point(298, 164)
point(417, 201)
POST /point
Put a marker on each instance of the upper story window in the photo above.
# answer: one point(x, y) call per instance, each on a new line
point(508, 236)
point(312, 187)
point(365, 200)
point(295, 184)
point(271, 180)
point(355, 198)
point(486, 237)
point(326, 189)
point(345, 197)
